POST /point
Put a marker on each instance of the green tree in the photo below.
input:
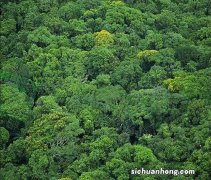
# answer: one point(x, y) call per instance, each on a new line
point(100, 60)
point(15, 104)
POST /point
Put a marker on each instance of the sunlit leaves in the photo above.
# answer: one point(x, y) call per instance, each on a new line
point(193, 86)
point(103, 37)
point(146, 53)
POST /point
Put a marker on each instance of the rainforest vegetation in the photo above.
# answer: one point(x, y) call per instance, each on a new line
point(91, 89)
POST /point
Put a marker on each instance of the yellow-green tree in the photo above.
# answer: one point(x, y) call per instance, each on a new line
point(103, 37)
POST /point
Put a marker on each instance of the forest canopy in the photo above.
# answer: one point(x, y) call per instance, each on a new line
point(91, 89)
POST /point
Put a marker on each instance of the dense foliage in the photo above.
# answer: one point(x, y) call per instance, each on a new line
point(91, 89)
